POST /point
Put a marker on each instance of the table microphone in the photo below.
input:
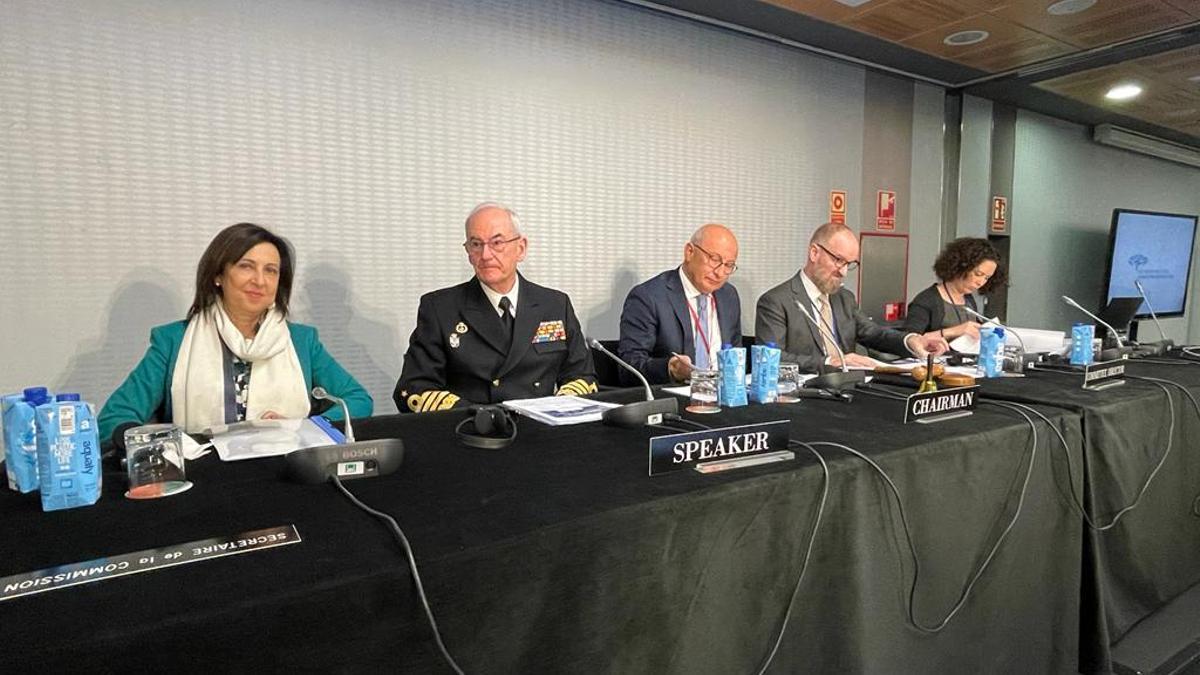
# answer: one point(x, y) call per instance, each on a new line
point(983, 318)
point(348, 460)
point(641, 413)
point(1164, 344)
point(836, 381)
point(1105, 354)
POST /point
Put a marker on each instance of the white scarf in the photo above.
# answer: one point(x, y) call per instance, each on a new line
point(198, 384)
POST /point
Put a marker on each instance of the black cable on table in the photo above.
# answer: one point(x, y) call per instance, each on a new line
point(812, 537)
point(910, 600)
point(412, 566)
point(1075, 499)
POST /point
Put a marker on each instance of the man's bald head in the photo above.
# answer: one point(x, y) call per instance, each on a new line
point(710, 257)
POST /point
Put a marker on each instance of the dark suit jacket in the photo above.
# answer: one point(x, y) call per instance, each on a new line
point(927, 312)
point(656, 321)
point(778, 320)
point(456, 355)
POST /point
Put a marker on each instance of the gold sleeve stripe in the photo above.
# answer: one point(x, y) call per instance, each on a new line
point(578, 387)
point(434, 399)
point(415, 401)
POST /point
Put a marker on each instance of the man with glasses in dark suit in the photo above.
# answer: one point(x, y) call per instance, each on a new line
point(832, 252)
point(678, 320)
point(497, 336)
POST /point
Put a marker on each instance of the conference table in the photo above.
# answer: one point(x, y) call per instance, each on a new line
point(1149, 557)
point(560, 554)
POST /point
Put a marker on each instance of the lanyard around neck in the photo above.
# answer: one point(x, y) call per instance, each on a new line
point(950, 298)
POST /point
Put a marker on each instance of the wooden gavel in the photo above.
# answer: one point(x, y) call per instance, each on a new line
point(939, 373)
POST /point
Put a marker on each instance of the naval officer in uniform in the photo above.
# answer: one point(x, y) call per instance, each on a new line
point(497, 336)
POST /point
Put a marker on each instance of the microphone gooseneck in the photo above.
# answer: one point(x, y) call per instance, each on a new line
point(595, 344)
point(1102, 322)
point(836, 383)
point(1161, 333)
point(824, 332)
point(983, 318)
point(320, 393)
point(640, 413)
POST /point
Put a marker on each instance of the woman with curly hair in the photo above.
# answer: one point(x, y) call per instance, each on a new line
point(966, 266)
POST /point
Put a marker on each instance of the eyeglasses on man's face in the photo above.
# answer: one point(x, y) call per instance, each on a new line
point(839, 261)
point(717, 262)
point(498, 244)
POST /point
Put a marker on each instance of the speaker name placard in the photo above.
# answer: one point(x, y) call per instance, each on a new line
point(683, 451)
point(65, 576)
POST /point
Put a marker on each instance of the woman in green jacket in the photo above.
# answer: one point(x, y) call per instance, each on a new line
point(235, 357)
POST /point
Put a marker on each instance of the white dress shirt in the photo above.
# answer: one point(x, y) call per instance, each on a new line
point(713, 330)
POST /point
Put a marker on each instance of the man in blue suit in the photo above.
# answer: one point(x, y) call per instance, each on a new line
point(678, 320)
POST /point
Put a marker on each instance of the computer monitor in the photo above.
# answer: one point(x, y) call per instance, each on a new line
point(1156, 249)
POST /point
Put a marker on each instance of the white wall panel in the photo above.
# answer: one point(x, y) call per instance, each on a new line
point(132, 131)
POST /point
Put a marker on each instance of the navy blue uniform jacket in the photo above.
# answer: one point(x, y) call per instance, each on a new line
point(456, 355)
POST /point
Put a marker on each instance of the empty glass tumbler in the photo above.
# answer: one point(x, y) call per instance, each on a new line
point(154, 461)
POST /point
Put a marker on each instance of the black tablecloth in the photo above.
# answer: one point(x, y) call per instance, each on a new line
point(560, 554)
point(1150, 556)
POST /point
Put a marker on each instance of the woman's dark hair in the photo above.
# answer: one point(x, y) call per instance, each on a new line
point(965, 254)
point(227, 248)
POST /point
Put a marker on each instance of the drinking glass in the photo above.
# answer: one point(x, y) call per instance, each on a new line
point(154, 461)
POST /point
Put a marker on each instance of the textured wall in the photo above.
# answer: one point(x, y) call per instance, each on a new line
point(364, 131)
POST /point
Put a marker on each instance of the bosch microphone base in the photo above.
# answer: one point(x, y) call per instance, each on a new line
point(641, 413)
point(361, 459)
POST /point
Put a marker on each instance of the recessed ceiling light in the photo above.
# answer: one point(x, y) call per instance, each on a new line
point(1123, 92)
point(853, 3)
point(966, 37)
point(1065, 7)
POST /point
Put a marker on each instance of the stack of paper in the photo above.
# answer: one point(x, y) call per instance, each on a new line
point(560, 410)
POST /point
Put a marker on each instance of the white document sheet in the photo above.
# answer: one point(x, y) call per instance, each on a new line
point(1036, 340)
point(267, 438)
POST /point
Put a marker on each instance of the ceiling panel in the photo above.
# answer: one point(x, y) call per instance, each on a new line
point(1169, 98)
point(1103, 23)
point(900, 20)
point(1022, 31)
point(1008, 45)
point(1190, 6)
point(1053, 63)
point(833, 11)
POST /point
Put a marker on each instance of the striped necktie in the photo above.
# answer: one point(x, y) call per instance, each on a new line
point(827, 327)
point(701, 346)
